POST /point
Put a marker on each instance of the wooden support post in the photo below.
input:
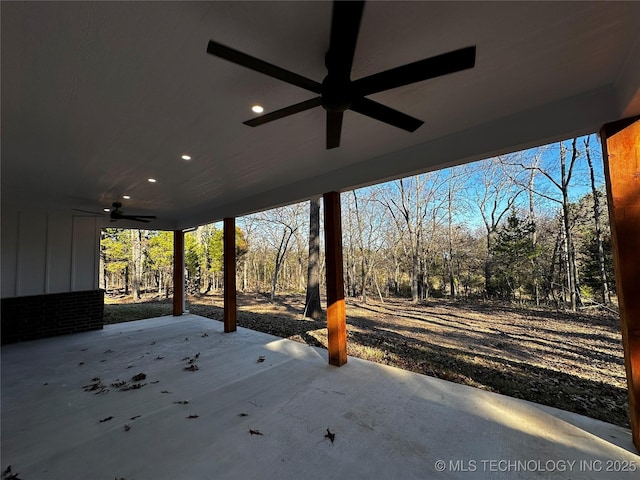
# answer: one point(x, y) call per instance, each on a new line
point(621, 155)
point(229, 240)
point(336, 314)
point(178, 272)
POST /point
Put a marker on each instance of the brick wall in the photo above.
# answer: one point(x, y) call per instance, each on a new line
point(40, 316)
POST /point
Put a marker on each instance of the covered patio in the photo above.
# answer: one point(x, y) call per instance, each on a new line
point(107, 104)
point(58, 393)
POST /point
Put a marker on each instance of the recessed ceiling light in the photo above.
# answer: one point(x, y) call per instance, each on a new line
point(126, 197)
point(151, 180)
point(186, 157)
point(257, 109)
point(106, 209)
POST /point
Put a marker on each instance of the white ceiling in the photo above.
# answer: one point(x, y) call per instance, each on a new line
point(98, 97)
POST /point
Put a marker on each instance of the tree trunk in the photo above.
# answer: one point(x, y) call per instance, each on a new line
point(349, 261)
point(313, 308)
point(425, 279)
point(488, 267)
point(102, 282)
point(104, 279)
point(452, 280)
point(396, 276)
point(534, 237)
point(280, 254)
point(566, 290)
point(264, 272)
point(572, 277)
point(136, 249)
point(363, 277)
point(244, 274)
point(364, 270)
point(604, 284)
point(551, 271)
point(375, 281)
point(415, 272)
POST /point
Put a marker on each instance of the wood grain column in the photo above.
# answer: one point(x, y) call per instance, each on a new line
point(621, 155)
point(336, 314)
point(229, 240)
point(178, 272)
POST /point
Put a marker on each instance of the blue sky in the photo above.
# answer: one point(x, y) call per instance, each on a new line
point(580, 185)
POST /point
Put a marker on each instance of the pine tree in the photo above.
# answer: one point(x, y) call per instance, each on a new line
point(513, 251)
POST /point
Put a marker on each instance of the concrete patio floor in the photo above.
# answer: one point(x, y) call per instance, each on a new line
point(388, 423)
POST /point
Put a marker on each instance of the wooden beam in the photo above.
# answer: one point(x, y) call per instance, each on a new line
point(336, 314)
point(621, 155)
point(229, 240)
point(178, 272)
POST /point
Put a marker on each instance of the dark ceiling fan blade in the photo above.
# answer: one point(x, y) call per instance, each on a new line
point(88, 211)
point(345, 25)
point(253, 63)
point(334, 129)
point(284, 112)
point(437, 66)
point(137, 218)
point(385, 114)
point(118, 215)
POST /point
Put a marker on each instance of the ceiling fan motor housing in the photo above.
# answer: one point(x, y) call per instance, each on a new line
point(337, 93)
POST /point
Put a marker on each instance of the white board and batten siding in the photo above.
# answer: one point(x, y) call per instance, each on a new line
point(48, 252)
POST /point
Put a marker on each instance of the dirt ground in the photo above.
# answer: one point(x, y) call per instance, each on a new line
point(565, 360)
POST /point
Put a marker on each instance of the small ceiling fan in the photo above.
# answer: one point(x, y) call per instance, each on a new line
point(117, 214)
point(337, 91)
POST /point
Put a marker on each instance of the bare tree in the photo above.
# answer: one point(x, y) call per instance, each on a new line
point(366, 236)
point(566, 172)
point(457, 179)
point(392, 255)
point(411, 202)
point(248, 226)
point(409, 217)
point(534, 232)
point(495, 196)
point(562, 185)
point(604, 285)
point(281, 225)
point(254, 269)
point(450, 194)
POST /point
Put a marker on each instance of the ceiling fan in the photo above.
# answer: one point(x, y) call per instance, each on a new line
point(117, 214)
point(337, 91)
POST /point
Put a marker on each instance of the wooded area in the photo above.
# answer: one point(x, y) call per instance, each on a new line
point(527, 227)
